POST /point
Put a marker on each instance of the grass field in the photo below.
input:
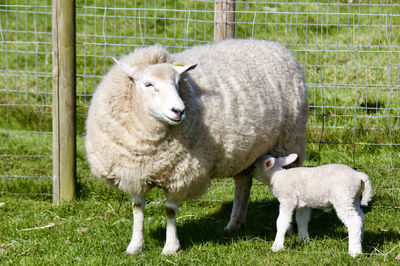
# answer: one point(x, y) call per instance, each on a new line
point(96, 230)
point(351, 56)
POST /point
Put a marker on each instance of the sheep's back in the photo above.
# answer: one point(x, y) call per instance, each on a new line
point(252, 100)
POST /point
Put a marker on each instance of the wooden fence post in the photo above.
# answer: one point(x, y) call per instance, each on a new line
point(224, 20)
point(64, 139)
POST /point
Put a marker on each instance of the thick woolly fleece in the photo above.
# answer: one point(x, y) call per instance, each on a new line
point(245, 98)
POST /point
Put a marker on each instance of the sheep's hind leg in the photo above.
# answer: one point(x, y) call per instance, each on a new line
point(172, 241)
point(282, 225)
point(353, 218)
point(302, 219)
point(136, 244)
point(243, 184)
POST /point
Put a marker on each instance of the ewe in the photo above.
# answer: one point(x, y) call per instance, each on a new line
point(152, 123)
point(322, 187)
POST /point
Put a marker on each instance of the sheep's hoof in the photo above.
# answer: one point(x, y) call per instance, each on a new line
point(303, 236)
point(131, 250)
point(170, 249)
point(304, 239)
point(276, 248)
point(234, 225)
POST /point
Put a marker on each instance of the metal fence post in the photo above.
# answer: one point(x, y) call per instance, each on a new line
point(64, 139)
point(224, 20)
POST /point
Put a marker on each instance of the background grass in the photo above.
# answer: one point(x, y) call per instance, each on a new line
point(96, 230)
point(350, 54)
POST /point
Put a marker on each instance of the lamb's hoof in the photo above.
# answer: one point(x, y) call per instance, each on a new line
point(131, 250)
point(234, 225)
point(170, 249)
point(276, 248)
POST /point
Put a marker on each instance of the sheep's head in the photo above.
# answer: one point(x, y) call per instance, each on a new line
point(159, 90)
point(266, 166)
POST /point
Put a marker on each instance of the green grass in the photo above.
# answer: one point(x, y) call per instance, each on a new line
point(350, 55)
point(97, 230)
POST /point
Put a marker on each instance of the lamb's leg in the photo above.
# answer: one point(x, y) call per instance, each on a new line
point(243, 184)
point(282, 225)
point(136, 244)
point(172, 241)
point(302, 219)
point(353, 218)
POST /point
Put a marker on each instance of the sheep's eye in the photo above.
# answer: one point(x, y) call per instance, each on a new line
point(148, 84)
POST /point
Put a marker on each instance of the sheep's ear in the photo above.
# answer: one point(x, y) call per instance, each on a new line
point(269, 163)
point(283, 161)
point(180, 68)
point(129, 71)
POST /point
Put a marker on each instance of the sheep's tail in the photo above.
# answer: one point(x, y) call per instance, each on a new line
point(367, 193)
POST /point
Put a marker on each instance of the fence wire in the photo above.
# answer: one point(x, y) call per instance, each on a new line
point(25, 97)
point(349, 50)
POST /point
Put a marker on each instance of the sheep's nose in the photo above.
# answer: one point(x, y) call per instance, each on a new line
point(178, 112)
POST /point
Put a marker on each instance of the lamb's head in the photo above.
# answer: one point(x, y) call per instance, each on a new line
point(267, 165)
point(158, 85)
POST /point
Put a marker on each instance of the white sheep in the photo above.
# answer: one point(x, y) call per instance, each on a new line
point(324, 187)
point(151, 123)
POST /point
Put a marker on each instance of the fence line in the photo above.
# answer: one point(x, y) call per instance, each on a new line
point(25, 98)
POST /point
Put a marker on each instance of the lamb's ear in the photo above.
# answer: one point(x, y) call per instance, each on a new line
point(180, 68)
point(269, 163)
point(283, 161)
point(129, 71)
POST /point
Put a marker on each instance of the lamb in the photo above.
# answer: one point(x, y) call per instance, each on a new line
point(175, 121)
point(322, 187)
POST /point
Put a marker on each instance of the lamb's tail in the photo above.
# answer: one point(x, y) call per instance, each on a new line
point(367, 193)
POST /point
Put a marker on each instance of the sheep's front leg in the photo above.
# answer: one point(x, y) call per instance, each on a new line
point(172, 241)
point(282, 225)
point(136, 244)
point(243, 184)
point(302, 219)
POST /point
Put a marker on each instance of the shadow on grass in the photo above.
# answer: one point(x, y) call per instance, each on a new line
point(260, 223)
point(373, 241)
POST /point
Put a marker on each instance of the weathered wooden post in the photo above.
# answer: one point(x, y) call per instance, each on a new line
point(224, 20)
point(64, 140)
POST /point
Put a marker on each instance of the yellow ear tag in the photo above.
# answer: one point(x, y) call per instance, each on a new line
point(177, 63)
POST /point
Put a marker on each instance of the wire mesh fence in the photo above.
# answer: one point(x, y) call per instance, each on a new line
point(25, 96)
point(349, 50)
